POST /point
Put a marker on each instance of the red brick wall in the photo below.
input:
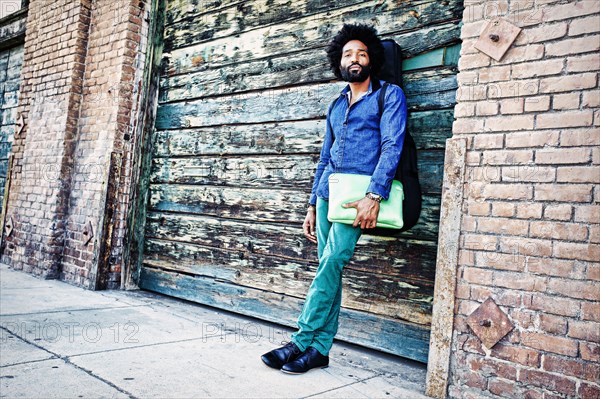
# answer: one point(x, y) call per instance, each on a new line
point(80, 81)
point(54, 56)
point(530, 232)
point(111, 85)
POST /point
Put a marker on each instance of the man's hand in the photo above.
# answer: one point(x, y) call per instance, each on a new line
point(309, 224)
point(367, 211)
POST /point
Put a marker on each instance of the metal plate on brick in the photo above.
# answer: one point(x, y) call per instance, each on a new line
point(8, 227)
point(489, 323)
point(20, 125)
point(88, 232)
point(497, 37)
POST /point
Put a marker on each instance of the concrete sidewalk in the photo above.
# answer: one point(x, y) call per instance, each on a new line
point(61, 341)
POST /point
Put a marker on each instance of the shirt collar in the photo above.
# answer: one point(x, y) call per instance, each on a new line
point(346, 89)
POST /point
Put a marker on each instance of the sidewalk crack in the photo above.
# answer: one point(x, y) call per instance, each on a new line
point(68, 361)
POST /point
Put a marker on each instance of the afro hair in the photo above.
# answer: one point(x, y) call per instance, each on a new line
point(366, 34)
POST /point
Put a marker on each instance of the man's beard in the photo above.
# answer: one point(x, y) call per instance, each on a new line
point(356, 76)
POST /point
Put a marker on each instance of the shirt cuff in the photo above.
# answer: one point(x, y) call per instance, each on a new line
point(313, 199)
point(378, 189)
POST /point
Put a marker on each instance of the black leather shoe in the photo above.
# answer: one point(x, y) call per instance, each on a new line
point(280, 356)
point(310, 359)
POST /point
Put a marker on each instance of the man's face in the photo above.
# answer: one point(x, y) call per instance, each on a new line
point(355, 66)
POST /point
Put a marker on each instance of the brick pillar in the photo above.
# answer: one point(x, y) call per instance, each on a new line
point(108, 120)
point(54, 56)
point(530, 232)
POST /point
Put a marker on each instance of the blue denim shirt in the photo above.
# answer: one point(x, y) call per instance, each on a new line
point(358, 141)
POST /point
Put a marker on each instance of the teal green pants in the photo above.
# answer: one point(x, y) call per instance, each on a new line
point(318, 322)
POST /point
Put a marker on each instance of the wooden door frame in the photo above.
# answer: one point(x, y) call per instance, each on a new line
point(442, 322)
point(442, 325)
point(133, 246)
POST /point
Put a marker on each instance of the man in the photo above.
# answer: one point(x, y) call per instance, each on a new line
point(358, 140)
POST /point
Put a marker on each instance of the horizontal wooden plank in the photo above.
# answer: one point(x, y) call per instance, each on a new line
point(443, 56)
point(6, 131)
point(292, 171)
point(433, 127)
point(407, 262)
point(428, 59)
point(209, 24)
point(281, 105)
point(430, 129)
point(5, 147)
point(265, 171)
point(400, 296)
point(8, 116)
point(413, 258)
point(177, 10)
point(262, 205)
point(10, 99)
point(307, 33)
point(432, 101)
point(259, 75)
point(12, 32)
point(377, 332)
point(210, 83)
point(292, 103)
point(374, 253)
point(4, 168)
point(430, 89)
point(419, 83)
point(265, 138)
point(237, 20)
point(428, 38)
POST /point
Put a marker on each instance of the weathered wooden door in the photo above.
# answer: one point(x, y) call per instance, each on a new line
point(243, 95)
point(11, 60)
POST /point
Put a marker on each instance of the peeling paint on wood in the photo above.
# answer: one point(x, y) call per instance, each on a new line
point(239, 127)
point(136, 218)
point(264, 138)
point(429, 128)
point(284, 104)
point(241, 16)
point(363, 328)
point(309, 32)
point(400, 300)
point(239, 79)
point(411, 259)
point(244, 203)
point(292, 171)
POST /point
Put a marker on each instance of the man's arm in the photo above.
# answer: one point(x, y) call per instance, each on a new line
point(392, 127)
point(323, 160)
point(309, 224)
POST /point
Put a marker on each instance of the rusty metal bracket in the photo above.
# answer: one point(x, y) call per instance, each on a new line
point(497, 37)
point(489, 323)
point(88, 232)
point(20, 125)
point(9, 226)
